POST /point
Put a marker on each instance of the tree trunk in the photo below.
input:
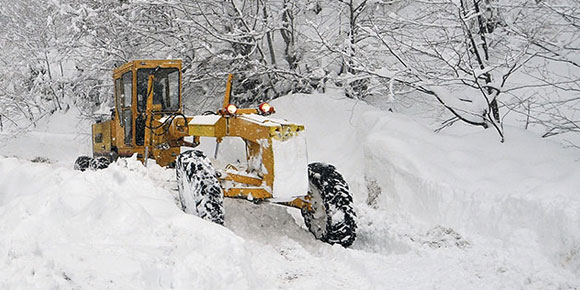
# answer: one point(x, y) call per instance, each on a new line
point(287, 33)
point(482, 31)
point(269, 36)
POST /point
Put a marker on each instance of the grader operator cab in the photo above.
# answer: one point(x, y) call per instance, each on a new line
point(148, 122)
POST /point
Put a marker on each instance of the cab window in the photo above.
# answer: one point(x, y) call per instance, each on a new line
point(126, 113)
point(118, 90)
point(165, 88)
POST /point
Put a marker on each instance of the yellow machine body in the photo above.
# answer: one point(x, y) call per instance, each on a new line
point(102, 138)
point(148, 121)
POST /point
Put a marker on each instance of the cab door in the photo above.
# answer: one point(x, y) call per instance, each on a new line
point(124, 103)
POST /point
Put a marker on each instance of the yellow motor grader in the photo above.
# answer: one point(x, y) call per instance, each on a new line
point(148, 122)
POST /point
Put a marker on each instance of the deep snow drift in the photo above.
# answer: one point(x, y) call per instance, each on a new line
point(455, 210)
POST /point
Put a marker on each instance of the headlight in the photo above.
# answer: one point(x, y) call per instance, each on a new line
point(266, 109)
point(231, 109)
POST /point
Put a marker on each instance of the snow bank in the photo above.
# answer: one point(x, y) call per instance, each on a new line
point(111, 229)
point(57, 139)
point(456, 210)
point(332, 133)
point(523, 192)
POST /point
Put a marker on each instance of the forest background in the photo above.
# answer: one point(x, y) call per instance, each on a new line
point(483, 63)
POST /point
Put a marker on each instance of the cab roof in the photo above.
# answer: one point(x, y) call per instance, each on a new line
point(146, 63)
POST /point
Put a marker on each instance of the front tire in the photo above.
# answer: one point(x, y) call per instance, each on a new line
point(200, 192)
point(332, 218)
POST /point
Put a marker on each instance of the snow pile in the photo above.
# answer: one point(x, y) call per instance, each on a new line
point(111, 229)
point(456, 210)
point(57, 139)
point(332, 133)
point(524, 193)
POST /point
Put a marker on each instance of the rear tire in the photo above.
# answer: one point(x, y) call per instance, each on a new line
point(332, 219)
point(200, 192)
point(82, 163)
point(99, 162)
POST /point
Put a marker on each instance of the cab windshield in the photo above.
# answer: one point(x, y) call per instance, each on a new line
point(165, 88)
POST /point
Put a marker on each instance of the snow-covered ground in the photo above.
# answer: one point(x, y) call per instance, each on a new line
point(455, 210)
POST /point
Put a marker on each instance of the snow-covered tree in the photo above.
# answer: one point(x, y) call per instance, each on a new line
point(484, 62)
